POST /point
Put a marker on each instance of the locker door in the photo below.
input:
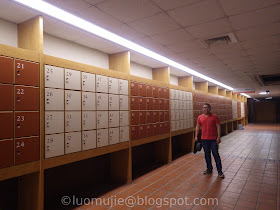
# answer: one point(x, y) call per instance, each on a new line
point(142, 117)
point(156, 129)
point(156, 116)
point(124, 118)
point(26, 150)
point(135, 103)
point(72, 79)
point(54, 77)
point(102, 84)
point(161, 104)
point(54, 99)
point(142, 103)
point(156, 104)
point(142, 131)
point(166, 116)
point(123, 85)
point(123, 102)
point(166, 127)
point(54, 145)
point(6, 97)
point(149, 90)
point(73, 142)
point(150, 130)
point(26, 73)
point(72, 100)
point(150, 117)
point(102, 101)
point(102, 137)
point(114, 119)
point(6, 152)
point(88, 140)
point(172, 92)
point(135, 132)
point(155, 92)
point(150, 104)
point(6, 125)
point(88, 82)
point(114, 102)
point(102, 119)
point(54, 122)
point(135, 118)
point(173, 126)
point(173, 115)
point(166, 93)
point(142, 90)
point(89, 120)
point(6, 70)
point(113, 85)
point(72, 121)
point(134, 87)
point(161, 116)
point(88, 101)
point(26, 98)
point(124, 134)
point(114, 136)
point(26, 124)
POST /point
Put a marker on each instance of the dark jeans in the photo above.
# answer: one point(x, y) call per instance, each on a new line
point(208, 146)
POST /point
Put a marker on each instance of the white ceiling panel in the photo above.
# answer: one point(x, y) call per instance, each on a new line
point(93, 2)
point(70, 5)
point(179, 47)
point(168, 5)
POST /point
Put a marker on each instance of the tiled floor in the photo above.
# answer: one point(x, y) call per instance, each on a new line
point(250, 161)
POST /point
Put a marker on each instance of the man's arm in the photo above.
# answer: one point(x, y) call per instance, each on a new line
point(197, 129)
point(218, 133)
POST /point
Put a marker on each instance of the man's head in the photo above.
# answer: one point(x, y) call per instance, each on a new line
point(206, 108)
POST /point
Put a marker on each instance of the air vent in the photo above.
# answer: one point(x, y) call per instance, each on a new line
point(219, 41)
point(257, 79)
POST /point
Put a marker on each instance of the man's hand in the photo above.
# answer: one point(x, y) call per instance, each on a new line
point(218, 140)
point(196, 139)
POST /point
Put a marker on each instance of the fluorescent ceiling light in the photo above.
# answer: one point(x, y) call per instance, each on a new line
point(264, 93)
point(268, 98)
point(246, 95)
point(66, 17)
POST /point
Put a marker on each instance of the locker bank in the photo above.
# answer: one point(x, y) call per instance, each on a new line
point(100, 102)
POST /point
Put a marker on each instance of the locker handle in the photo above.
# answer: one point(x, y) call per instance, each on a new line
point(18, 125)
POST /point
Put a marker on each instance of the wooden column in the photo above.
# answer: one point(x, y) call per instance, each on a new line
point(229, 94)
point(213, 90)
point(120, 62)
point(222, 92)
point(162, 74)
point(186, 82)
point(202, 86)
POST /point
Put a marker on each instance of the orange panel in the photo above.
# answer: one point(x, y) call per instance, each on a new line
point(142, 103)
point(150, 104)
point(166, 116)
point(134, 86)
point(6, 94)
point(142, 131)
point(26, 73)
point(134, 117)
point(166, 104)
point(149, 90)
point(26, 150)
point(156, 116)
point(134, 132)
point(135, 103)
point(143, 117)
point(26, 98)
point(150, 130)
point(155, 92)
point(6, 153)
point(6, 70)
point(6, 125)
point(150, 117)
point(142, 89)
point(26, 124)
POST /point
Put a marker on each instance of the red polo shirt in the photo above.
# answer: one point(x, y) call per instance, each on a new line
point(208, 126)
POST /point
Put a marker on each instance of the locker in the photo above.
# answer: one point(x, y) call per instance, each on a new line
point(102, 137)
point(188, 123)
point(135, 132)
point(54, 99)
point(177, 125)
point(124, 118)
point(172, 104)
point(183, 95)
point(26, 73)
point(142, 103)
point(123, 102)
point(72, 79)
point(114, 119)
point(88, 140)
point(176, 94)
point(6, 125)
point(6, 150)
point(156, 104)
point(88, 120)
point(102, 119)
point(161, 92)
point(166, 116)
point(26, 150)
point(88, 82)
point(102, 84)
point(114, 102)
point(73, 142)
point(149, 104)
point(149, 90)
point(184, 114)
point(179, 94)
point(155, 92)
point(142, 90)
point(150, 130)
point(176, 104)
point(102, 101)
point(183, 105)
point(156, 130)
point(6, 96)
point(124, 134)
point(134, 87)
point(54, 145)
point(173, 126)
point(181, 114)
point(72, 121)
point(191, 124)
point(26, 98)
point(142, 131)
point(6, 70)
point(123, 86)
point(172, 92)
point(181, 124)
point(161, 128)
point(150, 117)
point(135, 120)
point(142, 117)
point(156, 116)
point(161, 104)
point(54, 122)
point(166, 127)
point(54, 77)
point(166, 93)
point(26, 124)
point(73, 100)
point(161, 116)
point(114, 136)
point(173, 115)
point(177, 116)
point(135, 103)
point(88, 101)
point(113, 85)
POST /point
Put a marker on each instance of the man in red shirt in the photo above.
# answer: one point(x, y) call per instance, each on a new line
point(210, 138)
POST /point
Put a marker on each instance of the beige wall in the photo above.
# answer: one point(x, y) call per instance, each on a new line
point(265, 112)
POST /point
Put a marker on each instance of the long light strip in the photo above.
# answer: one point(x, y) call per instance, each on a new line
point(244, 94)
point(66, 17)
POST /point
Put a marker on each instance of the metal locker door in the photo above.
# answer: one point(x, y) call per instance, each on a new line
point(26, 73)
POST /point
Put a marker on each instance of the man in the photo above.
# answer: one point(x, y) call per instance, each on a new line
point(210, 138)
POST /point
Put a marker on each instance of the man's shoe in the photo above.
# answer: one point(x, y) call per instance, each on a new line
point(221, 175)
point(207, 171)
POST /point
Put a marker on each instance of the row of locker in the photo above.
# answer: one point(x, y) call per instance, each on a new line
point(148, 130)
point(58, 99)
point(181, 115)
point(19, 124)
point(66, 143)
point(142, 103)
point(146, 90)
point(180, 95)
point(18, 151)
point(147, 117)
point(200, 97)
point(181, 124)
point(19, 98)
point(179, 104)
point(69, 121)
point(56, 77)
point(19, 72)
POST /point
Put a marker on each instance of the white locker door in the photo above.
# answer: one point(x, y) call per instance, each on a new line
point(102, 119)
point(72, 121)
point(54, 122)
point(123, 86)
point(172, 91)
point(113, 85)
point(88, 100)
point(54, 145)
point(114, 136)
point(54, 99)
point(173, 115)
point(89, 120)
point(177, 124)
point(123, 102)
point(185, 124)
point(124, 134)
point(73, 142)
point(54, 77)
point(114, 102)
point(102, 137)
point(88, 82)
point(102, 84)
point(173, 125)
point(88, 140)
point(124, 118)
point(172, 104)
point(114, 119)
point(181, 124)
point(72, 79)
point(102, 101)
point(72, 100)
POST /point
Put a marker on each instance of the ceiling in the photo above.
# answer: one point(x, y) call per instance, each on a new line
point(176, 29)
